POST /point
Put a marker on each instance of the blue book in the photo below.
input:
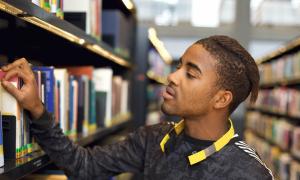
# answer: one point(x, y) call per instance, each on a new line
point(1, 143)
point(92, 109)
point(49, 90)
point(71, 110)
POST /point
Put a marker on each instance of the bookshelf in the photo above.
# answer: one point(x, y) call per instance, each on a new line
point(285, 49)
point(67, 37)
point(27, 30)
point(273, 122)
point(156, 79)
point(159, 67)
point(273, 113)
point(151, 77)
point(24, 166)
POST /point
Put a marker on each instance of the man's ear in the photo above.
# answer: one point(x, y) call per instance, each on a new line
point(222, 99)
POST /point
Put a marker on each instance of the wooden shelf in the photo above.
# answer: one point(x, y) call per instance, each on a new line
point(121, 122)
point(159, 46)
point(271, 113)
point(283, 50)
point(16, 169)
point(157, 79)
point(284, 82)
point(37, 17)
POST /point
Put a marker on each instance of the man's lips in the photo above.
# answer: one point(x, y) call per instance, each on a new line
point(169, 93)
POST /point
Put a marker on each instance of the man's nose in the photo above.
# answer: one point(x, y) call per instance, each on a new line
point(173, 78)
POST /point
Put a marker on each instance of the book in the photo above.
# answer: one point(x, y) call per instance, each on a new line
point(296, 142)
point(285, 160)
point(9, 136)
point(295, 170)
point(124, 97)
point(80, 103)
point(285, 68)
point(48, 82)
point(10, 106)
point(73, 96)
point(62, 80)
point(78, 13)
point(84, 76)
point(102, 78)
point(1, 143)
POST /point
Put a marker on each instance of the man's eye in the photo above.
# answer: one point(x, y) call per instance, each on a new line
point(190, 76)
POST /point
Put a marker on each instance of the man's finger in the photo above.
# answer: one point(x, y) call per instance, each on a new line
point(17, 73)
point(9, 87)
point(18, 63)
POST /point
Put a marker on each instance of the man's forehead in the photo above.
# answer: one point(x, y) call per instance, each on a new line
point(197, 53)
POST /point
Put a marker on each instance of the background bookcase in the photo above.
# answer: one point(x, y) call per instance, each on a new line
point(29, 31)
point(153, 65)
point(273, 122)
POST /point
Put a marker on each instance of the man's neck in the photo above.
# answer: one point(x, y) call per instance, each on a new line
point(206, 128)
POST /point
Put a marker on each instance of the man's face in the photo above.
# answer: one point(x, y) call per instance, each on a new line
point(192, 86)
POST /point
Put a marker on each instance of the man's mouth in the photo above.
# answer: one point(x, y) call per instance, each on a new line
point(169, 93)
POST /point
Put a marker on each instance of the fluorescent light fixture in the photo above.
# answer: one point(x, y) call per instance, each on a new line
point(171, 2)
point(255, 4)
point(295, 3)
point(128, 4)
point(206, 13)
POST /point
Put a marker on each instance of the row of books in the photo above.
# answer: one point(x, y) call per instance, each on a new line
point(280, 100)
point(15, 123)
point(75, 10)
point(157, 65)
point(108, 25)
point(80, 98)
point(277, 130)
point(51, 6)
point(281, 69)
point(281, 163)
point(159, 68)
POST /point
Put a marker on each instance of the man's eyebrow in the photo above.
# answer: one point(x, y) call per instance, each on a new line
point(180, 60)
point(194, 66)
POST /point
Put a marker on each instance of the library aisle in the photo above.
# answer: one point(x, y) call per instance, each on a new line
point(125, 84)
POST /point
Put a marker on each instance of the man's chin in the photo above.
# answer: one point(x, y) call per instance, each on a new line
point(167, 110)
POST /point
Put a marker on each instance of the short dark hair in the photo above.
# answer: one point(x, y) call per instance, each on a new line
point(236, 68)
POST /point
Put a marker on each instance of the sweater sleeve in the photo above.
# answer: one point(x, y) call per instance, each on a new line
point(89, 163)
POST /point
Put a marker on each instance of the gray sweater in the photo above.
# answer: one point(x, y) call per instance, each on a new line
point(141, 152)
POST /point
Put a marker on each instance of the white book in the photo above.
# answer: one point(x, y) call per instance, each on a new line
point(82, 6)
point(124, 97)
point(61, 75)
point(10, 106)
point(86, 105)
point(102, 78)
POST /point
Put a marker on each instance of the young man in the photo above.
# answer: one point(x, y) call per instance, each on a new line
point(214, 76)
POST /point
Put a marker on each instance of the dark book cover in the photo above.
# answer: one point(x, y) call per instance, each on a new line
point(49, 82)
point(101, 108)
point(9, 136)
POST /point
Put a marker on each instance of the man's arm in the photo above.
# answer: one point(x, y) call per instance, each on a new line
point(78, 162)
point(81, 163)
